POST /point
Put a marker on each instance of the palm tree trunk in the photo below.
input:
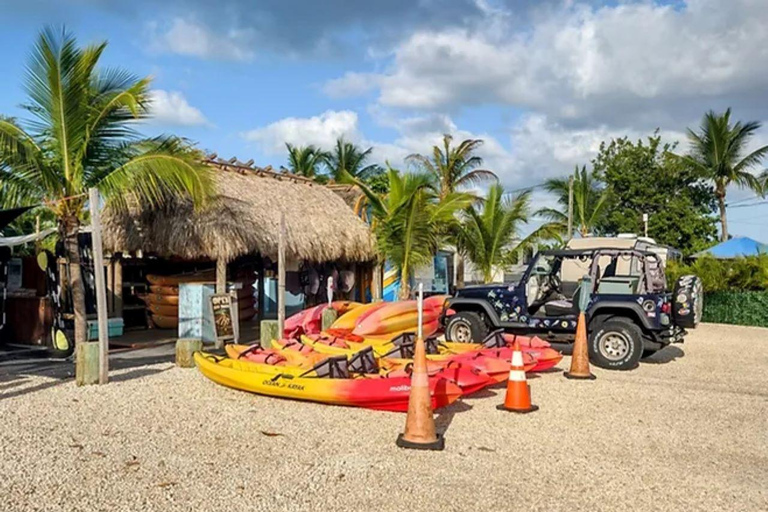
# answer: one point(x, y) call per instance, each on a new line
point(405, 285)
point(723, 218)
point(459, 270)
point(70, 226)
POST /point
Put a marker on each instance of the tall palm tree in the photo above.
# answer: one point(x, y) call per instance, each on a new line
point(589, 203)
point(347, 160)
point(409, 220)
point(81, 135)
point(306, 160)
point(717, 154)
point(452, 169)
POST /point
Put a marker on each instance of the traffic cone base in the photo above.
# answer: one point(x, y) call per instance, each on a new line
point(437, 445)
point(574, 376)
point(532, 408)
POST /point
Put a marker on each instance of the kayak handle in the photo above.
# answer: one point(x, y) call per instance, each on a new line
point(282, 376)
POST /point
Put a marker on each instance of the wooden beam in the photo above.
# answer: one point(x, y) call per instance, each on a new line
point(281, 277)
point(101, 289)
point(221, 275)
point(118, 276)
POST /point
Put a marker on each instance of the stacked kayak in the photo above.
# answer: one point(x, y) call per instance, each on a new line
point(328, 382)
point(365, 358)
point(468, 378)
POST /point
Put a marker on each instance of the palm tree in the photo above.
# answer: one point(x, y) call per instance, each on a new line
point(305, 161)
point(80, 136)
point(717, 154)
point(589, 203)
point(452, 169)
point(409, 221)
point(487, 230)
point(349, 161)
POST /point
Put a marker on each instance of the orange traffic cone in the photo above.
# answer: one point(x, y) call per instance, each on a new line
point(580, 356)
point(518, 397)
point(420, 424)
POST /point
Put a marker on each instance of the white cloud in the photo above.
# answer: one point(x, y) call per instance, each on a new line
point(321, 130)
point(185, 36)
point(172, 108)
point(583, 64)
point(351, 84)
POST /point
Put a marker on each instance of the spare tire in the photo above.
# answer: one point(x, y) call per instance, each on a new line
point(688, 301)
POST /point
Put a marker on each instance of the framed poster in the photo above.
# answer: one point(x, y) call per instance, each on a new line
point(224, 317)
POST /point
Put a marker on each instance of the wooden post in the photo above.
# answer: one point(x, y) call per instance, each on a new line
point(281, 276)
point(111, 288)
point(260, 298)
point(185, 350)
point(221, 275)
point(376, 283)
point(329, 314)
point(118, 276)
point(101, 289)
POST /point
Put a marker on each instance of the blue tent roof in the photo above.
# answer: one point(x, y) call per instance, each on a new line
point(735, 247)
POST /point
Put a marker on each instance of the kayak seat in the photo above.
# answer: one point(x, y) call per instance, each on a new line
point(364, 361)
point(335, 367)
point(266, 357)
point(408, 339)
point(495, 339)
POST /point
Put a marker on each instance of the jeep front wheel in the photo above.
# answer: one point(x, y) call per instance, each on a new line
point(616, 344)
point(466, 327)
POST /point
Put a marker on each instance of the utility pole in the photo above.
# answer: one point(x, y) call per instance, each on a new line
point(645, 224)
point(570, 207)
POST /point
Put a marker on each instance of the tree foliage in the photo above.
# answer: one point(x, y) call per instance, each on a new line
point(642, 177)
point(348, 161)
point(454, 168)
point(410, 220)
point(81, 134)
point(718, 154)
point(306, 161)
point(589, 203)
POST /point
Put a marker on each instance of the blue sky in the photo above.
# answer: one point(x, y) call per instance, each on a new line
point(542, 82)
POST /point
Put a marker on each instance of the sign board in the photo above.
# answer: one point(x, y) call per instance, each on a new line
point(224, 316)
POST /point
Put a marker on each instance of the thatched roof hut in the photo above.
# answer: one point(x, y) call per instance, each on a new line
point(245, 219)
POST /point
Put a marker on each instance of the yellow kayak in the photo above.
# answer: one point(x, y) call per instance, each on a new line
point(329, 382)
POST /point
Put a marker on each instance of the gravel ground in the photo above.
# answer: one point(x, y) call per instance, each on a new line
point(688, 430)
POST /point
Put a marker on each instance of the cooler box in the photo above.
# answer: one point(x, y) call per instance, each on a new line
point(114, 328)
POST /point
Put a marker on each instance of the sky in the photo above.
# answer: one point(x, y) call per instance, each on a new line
point(542, 82)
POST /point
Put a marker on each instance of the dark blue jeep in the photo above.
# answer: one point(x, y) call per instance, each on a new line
point(630, 315)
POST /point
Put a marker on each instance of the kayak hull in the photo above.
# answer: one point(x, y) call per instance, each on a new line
point(386, 394)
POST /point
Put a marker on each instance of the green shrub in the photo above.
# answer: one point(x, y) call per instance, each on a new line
point(740, 308)
point(749, 273)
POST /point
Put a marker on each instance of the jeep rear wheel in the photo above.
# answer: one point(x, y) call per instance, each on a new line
point(466, 327)
point(616, 344)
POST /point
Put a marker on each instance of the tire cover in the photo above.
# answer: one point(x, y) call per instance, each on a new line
point(688, 301)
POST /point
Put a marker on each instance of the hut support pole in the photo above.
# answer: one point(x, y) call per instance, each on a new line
point(101, 289)
point(376, 283)
point(118, 276)
point(281, 277)
point(221, 276)
point(221, 287)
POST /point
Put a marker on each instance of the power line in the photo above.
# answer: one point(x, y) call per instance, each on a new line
point(749, 205)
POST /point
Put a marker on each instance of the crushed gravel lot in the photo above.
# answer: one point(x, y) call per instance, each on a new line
point(687, 430)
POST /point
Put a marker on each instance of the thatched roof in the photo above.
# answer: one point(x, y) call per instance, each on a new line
point(245, 219)
point(349, 193)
